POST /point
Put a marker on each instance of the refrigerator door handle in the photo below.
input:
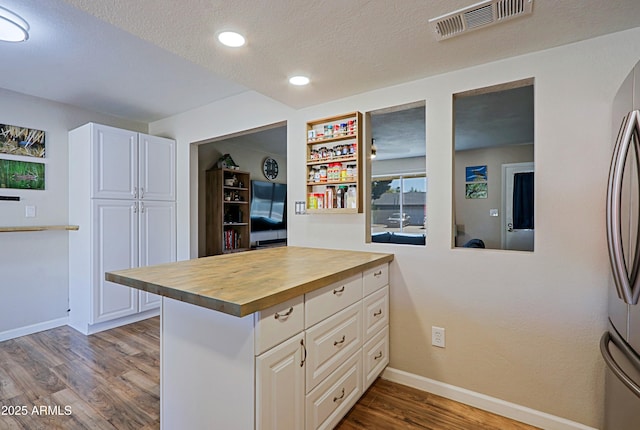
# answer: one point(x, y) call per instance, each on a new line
point(608, 337)
point(627, 285)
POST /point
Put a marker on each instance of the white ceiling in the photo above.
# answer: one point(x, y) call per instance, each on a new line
point(149, 59)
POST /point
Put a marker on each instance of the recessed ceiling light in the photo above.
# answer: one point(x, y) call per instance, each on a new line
point(231, 38)
point(299, 80)
point(12, 27)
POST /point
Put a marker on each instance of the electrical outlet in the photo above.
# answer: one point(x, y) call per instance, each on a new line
point(437, 336)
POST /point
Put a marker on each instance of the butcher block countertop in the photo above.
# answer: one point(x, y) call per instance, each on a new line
point(243, 283)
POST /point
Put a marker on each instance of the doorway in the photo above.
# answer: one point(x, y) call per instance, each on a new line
point(518, 206)
point(249, 149)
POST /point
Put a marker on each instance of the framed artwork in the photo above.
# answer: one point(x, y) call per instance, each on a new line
point(27, 142)
point(476, 190)
point(476, 174)
point(21, 175)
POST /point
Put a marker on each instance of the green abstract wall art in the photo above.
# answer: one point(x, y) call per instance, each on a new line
point(21, 175)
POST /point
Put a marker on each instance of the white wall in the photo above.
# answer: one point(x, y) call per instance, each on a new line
point(523, 327)
point(34, 274)
point(246, 111)
point(472, 215)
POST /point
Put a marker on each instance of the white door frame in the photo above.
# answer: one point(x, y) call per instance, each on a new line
point(510, 169)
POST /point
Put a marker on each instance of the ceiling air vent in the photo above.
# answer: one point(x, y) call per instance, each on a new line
point(485, 13)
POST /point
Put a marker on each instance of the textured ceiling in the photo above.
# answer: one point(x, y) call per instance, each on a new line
point(148, 59)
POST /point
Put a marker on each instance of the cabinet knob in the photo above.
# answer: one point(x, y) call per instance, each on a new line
point(376, 314)
point(378, 356)
point(378, 273)
point(339, 342)
point(339, 290)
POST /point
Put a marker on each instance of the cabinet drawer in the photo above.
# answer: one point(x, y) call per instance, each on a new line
point(376, 356)
point(321, 303)
point(278, 323)
point(332, 399)
point(330, 342)
point(375, 278)
point(376, 312)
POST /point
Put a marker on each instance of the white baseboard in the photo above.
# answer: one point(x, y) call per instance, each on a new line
point(88, 329)
point(34, 328)
point(481, 401)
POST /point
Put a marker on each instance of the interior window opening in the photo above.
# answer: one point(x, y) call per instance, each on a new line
point(494, 167)
point(398, 180)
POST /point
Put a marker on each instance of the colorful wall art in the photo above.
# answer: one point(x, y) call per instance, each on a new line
point(476, 174)
point(476, 182)
point(476, 191)
point(21, 175)
point(22, 141)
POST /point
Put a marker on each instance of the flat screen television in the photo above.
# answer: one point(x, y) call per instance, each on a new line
point(268, 206)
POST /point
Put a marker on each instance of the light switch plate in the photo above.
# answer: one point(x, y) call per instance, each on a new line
point(493, 212)
point(30, 211)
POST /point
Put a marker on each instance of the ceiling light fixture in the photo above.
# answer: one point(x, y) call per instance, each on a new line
point(299, 80)
point(231, 39)
point(12, 27)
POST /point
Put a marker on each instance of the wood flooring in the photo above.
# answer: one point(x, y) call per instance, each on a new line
point(61, 379)
point(388, 406)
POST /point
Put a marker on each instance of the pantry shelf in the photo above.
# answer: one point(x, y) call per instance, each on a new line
point(334, 165)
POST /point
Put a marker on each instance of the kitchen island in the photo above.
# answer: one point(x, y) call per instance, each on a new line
point(280, 338)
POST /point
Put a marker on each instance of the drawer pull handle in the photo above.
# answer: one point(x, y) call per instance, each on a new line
point(376, 314)
point(378, 273)
point(339, 290)
point(339, 342)
point(284, 315)
point(304, 351)
point(378, 356)
point(335, 399)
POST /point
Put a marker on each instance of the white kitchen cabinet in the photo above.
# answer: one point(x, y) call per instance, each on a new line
point(301, 364)
point(156, 168)
point(157, 241)
point(129, 165)
point(115, 245)
point(331, 342)
point(122, 195)
point(280, 386)
point(332, 399)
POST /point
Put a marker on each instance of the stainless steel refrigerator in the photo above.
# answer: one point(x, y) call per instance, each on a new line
point(620, 344)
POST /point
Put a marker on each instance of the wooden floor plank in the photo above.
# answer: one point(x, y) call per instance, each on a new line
point(111, 381)
point(387, 405)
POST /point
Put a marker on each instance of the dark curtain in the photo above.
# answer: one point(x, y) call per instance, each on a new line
point(523, 200)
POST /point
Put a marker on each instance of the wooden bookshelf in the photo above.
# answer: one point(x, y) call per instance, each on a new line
point(228, 223)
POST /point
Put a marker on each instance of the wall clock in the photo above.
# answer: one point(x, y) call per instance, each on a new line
point(270, 168)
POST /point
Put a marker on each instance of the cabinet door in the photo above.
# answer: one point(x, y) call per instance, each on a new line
point(280, 386)
point(115, 247)
point(115, 163)
point(157, 168)
point(157, 241)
